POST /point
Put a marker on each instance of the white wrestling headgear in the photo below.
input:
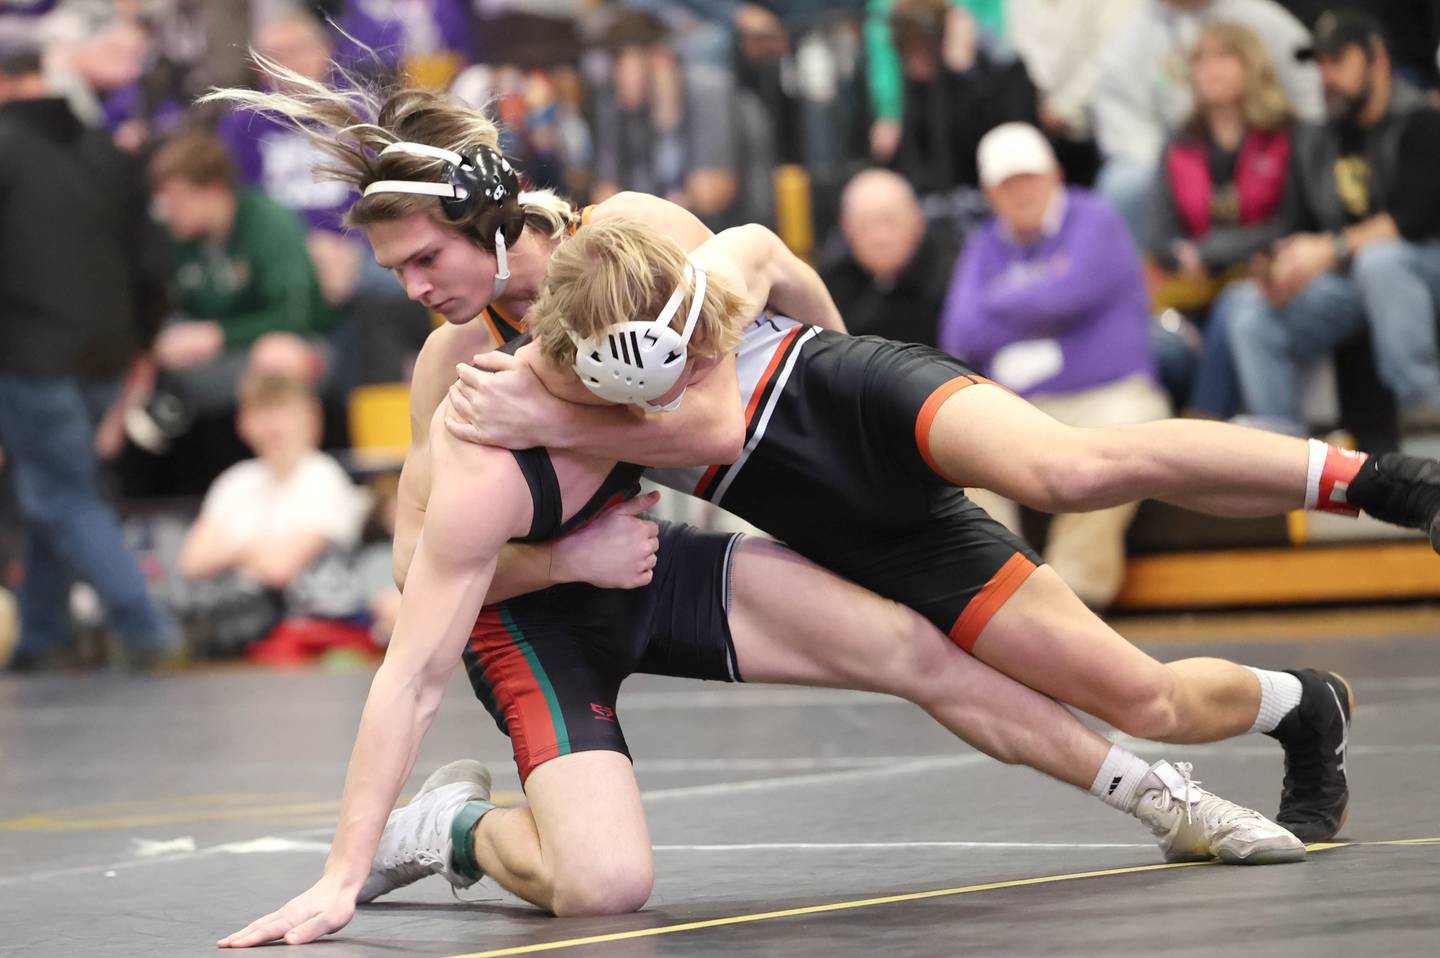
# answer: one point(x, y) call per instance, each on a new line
point(637, 362)
point(487, 176)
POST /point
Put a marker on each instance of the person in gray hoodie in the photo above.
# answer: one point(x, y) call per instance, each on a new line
point(1143, 95)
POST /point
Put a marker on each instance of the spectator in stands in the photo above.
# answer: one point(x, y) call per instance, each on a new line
point(1412, 27)
point(1364, 243)
point(77, 300)
point(1219, 193)
point(1049, 300)
point(268, 522)
point(243, 278)
point(955, 90)
point(1143, 95)
point(892, 277)
point(379, 329)
point(430, 40)
point(270, 153)
point(684, 134)
point(886, 77)
point(1060, 43)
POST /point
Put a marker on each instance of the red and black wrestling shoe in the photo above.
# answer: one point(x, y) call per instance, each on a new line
point(1400, 489)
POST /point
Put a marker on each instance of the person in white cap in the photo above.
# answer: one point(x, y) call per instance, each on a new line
point(1049, 300)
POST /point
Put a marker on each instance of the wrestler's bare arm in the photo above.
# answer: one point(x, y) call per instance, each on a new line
point(754, 257)
point(454, 559)
point(661, 215)
point(792, 287)
point(523, 567)
point(612, 552)
point(434, 372)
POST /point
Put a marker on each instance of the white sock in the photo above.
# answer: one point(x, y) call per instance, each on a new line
point(1119, 777)
point(1279, 695)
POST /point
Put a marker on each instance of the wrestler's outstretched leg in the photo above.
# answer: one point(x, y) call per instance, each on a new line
point(987, 437)
point(1046, 638)
point(794, 623)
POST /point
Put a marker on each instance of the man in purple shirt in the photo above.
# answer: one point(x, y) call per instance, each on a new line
point(1049, 301)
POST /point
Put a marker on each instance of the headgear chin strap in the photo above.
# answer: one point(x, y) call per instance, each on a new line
point(639, 361)
point(487, 175)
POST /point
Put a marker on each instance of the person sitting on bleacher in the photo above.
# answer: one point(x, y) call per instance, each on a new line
point(1364, 244)
point(270, 522)
point(244, 282)
point(376, 329)
point(1050, 302)
point(1218, 197)
point(957, 86)
point(891, 278)
point(677, 130)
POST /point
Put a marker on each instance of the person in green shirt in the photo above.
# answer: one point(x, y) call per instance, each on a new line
point(245, 290)
point(886, 81)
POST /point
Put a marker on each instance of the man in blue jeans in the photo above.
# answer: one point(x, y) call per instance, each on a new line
point(1364, 249)
point(73, 299)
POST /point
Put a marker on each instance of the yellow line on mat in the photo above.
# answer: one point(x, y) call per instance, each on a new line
point(868, 902)
point(819, 909)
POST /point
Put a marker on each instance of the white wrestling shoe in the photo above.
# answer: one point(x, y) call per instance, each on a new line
point(1194, 825)
point(416, 841)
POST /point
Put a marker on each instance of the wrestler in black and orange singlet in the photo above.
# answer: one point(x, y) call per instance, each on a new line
point(836, 463)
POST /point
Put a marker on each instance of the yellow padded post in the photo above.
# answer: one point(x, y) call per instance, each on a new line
point(380, 418)
point(794, 220)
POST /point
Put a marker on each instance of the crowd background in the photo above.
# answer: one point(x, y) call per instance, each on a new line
point(1118, 208)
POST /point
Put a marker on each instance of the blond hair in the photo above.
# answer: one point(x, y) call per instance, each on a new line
point(619, 270)
point(353, 124)
point(264, 390)
point(1263, 102)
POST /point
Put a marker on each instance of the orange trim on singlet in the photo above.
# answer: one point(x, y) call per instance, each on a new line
point(931, 409)
point(499, 336)
point(703, 486)
point(989, 599)
point(585, 214)
point(494, 330)
point(769, 373)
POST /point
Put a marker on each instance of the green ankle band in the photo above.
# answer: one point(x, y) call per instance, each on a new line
point(463, 855)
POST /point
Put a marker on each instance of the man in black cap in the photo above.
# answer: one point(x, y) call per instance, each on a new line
point(1364, 244)
point(72, 303)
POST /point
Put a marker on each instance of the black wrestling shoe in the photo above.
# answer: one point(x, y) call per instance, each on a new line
point(1315, 735)
point(1400, 489)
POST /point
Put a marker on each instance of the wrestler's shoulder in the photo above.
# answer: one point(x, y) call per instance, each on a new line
point(452, 343)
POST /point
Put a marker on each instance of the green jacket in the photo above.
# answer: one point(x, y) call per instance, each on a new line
point(259, 280)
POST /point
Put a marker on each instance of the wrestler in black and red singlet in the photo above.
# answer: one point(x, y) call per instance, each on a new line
point(548, 665)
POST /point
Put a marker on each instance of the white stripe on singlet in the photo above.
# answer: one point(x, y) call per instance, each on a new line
point(752, 358)
point(718, 496)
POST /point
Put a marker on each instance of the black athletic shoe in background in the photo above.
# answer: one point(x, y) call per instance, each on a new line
point(1315, 735)
point(1401, 489)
